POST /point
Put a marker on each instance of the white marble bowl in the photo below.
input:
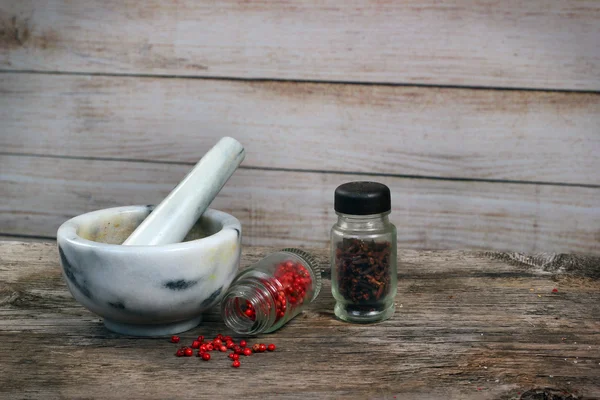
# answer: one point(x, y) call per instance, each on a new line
point(148, 290)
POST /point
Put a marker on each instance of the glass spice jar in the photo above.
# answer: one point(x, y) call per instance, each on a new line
point(364, 274)
point(268, 294)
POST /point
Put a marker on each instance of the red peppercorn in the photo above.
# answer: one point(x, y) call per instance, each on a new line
point(238, 349)
point(195, 344)
point(209, 347)
point(219, 336)
point(223, 349)
point(228, 339)
point(202, 348)
point(262, 347)
point(271, 347)
point(201, 338)
point(236, 364)
point(256, 347)
point(179, 353)
point(555, 290)
point(243, 343)
point(188, 352)
point(247, 351)
point(230, 355)
point(217, 343)
point(229, 344)
point(235, 357)
point(175, 339)
point(206, 356)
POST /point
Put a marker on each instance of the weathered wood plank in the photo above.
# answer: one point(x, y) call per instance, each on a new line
point(466, 327)
point(296, 208)
point(450, 133)
point(536, 44)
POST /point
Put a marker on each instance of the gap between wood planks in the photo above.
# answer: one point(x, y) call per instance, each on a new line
point(300, 81)
point(318, 171)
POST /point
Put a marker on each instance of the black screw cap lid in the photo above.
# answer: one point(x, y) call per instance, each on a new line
point(362, 198)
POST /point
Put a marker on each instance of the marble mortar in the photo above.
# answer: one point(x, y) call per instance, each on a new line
point(148, 290)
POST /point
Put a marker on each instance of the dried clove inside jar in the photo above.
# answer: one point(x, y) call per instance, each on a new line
point(364, 274)
point(363, 253)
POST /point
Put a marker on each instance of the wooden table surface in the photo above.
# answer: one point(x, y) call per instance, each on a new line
point(468, 326)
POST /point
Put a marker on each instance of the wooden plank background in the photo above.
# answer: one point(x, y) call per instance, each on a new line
point(482, 116)
point(450, 133)
point(510, 43)
point(291, 208)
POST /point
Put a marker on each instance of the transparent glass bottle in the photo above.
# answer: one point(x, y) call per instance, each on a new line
point(268, 294)
point(364, 274)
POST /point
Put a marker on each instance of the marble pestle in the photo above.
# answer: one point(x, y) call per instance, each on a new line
point(172, 219)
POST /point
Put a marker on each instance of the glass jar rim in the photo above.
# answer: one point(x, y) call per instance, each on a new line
point(365, 216)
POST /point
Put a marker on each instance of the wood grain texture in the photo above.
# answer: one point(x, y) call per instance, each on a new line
point(533, 44)
point(451, 133)
point(466, 327)
point(296, 208)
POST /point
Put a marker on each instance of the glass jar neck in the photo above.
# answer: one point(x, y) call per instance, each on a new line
point(370, 222)
point(249, 290)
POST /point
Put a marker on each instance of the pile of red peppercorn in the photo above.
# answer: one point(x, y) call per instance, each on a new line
point(289, 284)
point(222, 344)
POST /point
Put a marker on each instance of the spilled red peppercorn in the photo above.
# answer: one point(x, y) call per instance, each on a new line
point(237, 351)
point(243, 343)
point(175, 339)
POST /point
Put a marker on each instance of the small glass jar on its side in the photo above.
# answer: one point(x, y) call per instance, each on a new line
point(268, 294)
point(364, 274)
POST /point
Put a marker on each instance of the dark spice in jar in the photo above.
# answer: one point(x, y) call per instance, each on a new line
point(363, 270)
point(363, 253)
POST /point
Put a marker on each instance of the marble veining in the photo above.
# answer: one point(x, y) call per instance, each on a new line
point(180, 284)
point(212, 299)
point(70, 272)
point(147, 290)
